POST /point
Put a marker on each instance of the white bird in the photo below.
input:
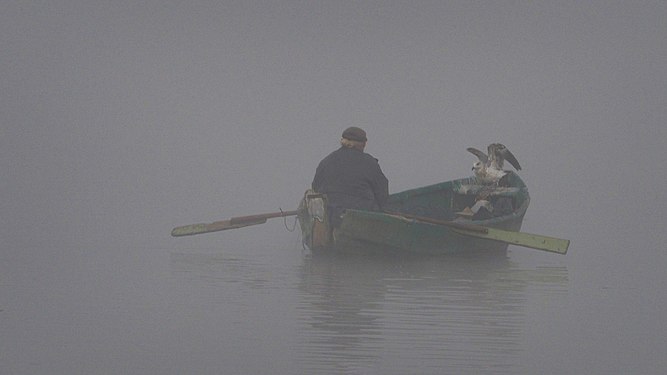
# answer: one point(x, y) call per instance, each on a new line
point(489, 168)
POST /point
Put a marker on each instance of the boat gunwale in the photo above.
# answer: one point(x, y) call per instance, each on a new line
point(399, 203)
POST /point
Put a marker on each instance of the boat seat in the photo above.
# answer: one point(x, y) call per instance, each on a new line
point(490, 190)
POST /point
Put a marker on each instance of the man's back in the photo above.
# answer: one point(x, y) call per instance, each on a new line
point(351, 179)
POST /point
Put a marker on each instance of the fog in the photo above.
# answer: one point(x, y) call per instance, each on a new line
point(121, 120)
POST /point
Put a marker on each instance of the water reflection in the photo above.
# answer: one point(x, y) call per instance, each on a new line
point(356, 314)
point(372, 314)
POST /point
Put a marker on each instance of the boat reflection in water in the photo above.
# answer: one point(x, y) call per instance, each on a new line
point(378, 314)
point(248, 309)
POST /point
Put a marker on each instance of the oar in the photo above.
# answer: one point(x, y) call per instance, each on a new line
point(534, 241)
point(233, 223)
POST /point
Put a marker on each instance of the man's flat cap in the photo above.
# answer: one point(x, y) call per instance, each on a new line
point(355, 134)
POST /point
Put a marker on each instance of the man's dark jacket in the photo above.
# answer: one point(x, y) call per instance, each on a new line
point(351, 179)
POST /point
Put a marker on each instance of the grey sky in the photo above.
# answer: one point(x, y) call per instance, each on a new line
point(122, 119)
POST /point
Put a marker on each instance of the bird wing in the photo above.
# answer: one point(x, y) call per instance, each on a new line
point(480, 155)
point(507, 155)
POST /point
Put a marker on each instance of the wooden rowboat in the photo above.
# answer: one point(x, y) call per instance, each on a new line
point(434, 219)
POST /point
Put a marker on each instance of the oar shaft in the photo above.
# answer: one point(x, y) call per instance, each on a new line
point(233, 223)
point(251, 218)
point(453, 224)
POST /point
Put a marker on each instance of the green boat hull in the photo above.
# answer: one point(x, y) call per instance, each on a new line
point(389, 231)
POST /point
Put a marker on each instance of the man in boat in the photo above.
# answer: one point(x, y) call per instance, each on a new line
point(351, 178)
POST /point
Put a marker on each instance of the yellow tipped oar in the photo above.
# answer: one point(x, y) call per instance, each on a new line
point(233, 223)
point(534, 241)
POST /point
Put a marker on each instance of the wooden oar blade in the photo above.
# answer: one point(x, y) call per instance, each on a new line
point(192, 229)
point(534, 241)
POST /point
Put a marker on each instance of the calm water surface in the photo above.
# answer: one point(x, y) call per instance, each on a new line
point(269, 310)
point(281, 310)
